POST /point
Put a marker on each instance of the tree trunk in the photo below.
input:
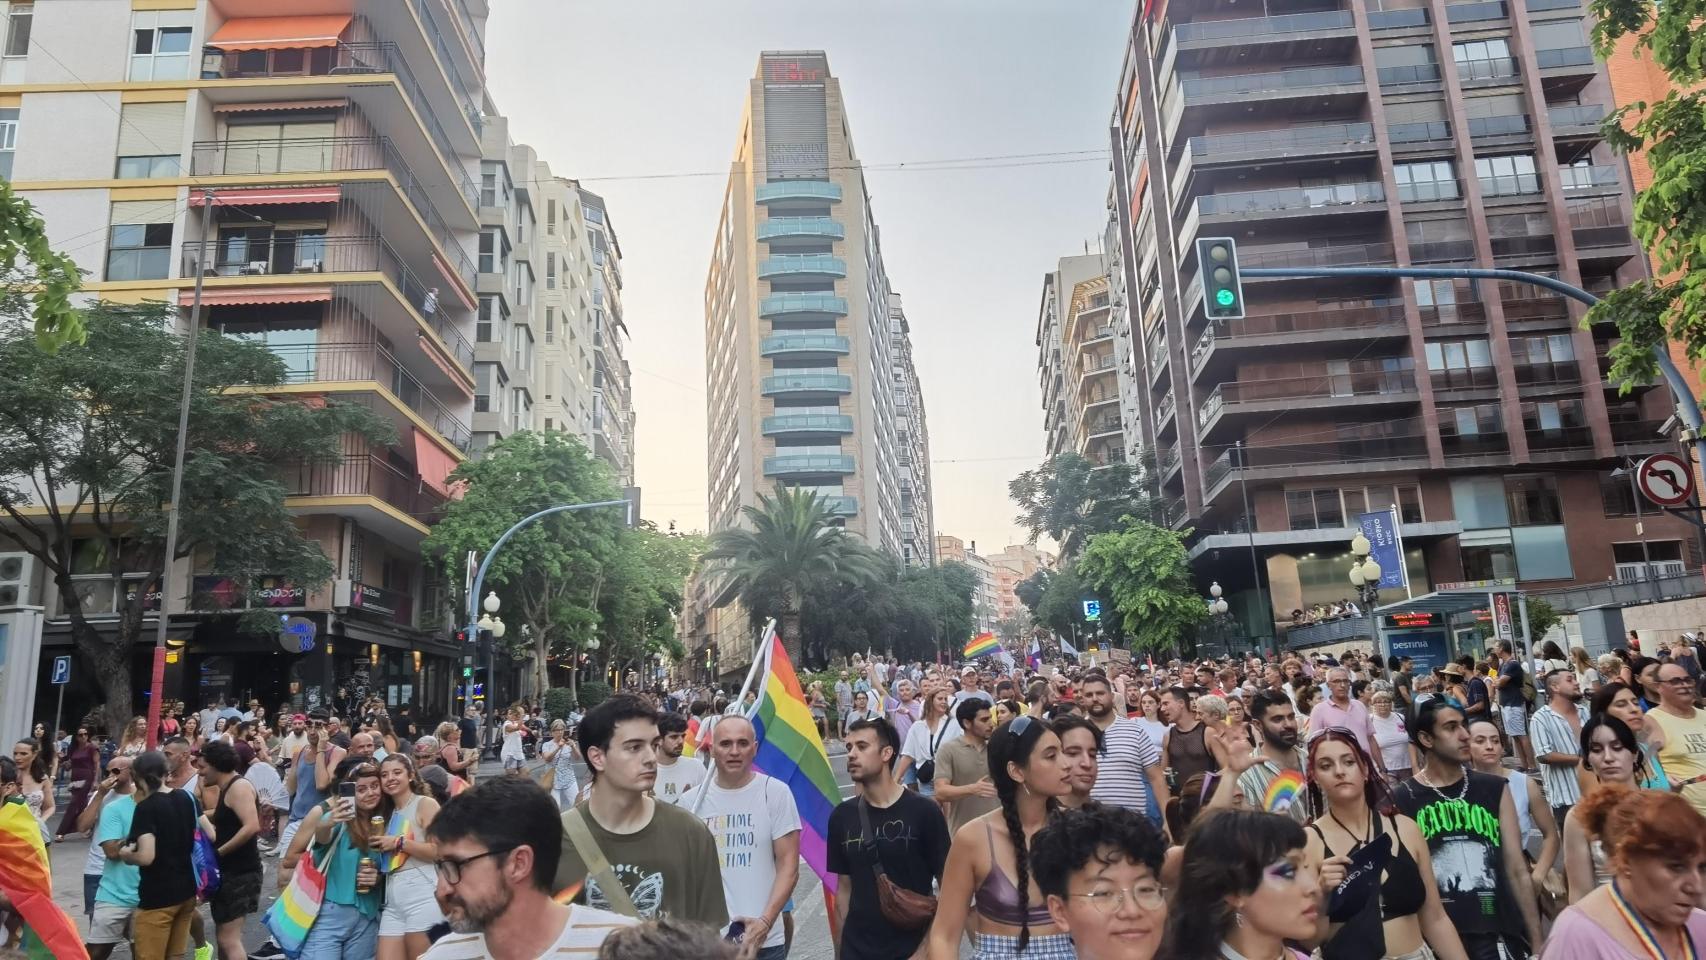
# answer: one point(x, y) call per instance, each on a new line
point(790, 627)
point(541, 666)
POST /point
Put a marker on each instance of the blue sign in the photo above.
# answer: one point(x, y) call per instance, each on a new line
point(61, 671)
point(1428, 648)
point(1092, 609)
point(1381, 529)
point(296, 634)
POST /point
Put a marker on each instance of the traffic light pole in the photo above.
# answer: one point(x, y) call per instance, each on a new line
point(1687, 408)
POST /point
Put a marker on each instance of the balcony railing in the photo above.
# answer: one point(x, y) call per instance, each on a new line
point(285, 155)
point(345, 362)
point(1524, 246)
point(1536, 308)
point(803, 343)
point(1252, 27)
point(1470, 12)
point(1422, 132)
point(1428, 191)
point(779, 304)
point(308, 254)
point(1555, 373)
point(808, 423)
point(1272, 143)
point(1412, 73)
point(1168, 460)
point(1103, 425)
point(1403, 446)
point(1568, 118)
point(1092, 365)
point(808, 463)
point(1492, 443)
point(777, 228)
point(1307, 79)
point(1164, 408)
point(808, 383)
point(1493, 68)
point(1509, 125)
point(1291, 198)
point(1448, 314)
point(798, 190)
point(1330, 255)
point(1324, 386)
point(1564, 57)
point(360, 58)
point(364, 476)
point(1589, 178)
point(1442, 251)
point(1394, 19)
point(1513, 185)
point(810, 263)
point(1311, 321)
point(1637, 431)
point(1560, 438)
point(1463, 378)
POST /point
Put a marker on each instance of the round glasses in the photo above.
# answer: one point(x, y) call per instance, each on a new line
point(1146, 894)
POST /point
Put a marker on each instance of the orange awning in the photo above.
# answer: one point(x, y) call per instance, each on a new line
point(455, 280)
point(268, 106)
point(280, 33)
point(435, 354)
point(433, 463)
point(250, 296)
point(237, 196)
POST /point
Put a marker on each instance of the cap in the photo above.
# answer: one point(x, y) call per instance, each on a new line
point(968, 671)
point(299, 717)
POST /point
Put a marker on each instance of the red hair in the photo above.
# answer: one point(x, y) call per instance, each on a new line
point(1643, 824)
point(1374, 789)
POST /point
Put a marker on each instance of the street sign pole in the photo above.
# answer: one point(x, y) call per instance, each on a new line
point(61, 679)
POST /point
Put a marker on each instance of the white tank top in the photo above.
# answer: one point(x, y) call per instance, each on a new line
point(1524, 817)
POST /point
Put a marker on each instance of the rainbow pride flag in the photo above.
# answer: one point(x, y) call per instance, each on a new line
point(982, 645)
point(789, 750)
point(690, 745)
point(398, 827)
point(26, 878)
point(294, 912)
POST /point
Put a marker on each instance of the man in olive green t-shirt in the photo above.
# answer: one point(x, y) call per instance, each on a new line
point(962, 767)
point(660, 853)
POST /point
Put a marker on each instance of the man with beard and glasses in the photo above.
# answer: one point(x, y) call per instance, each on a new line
point(1252, 773)
point(1129, 763)
point(1474, 839)
point(1556, 732)
point(498, 848)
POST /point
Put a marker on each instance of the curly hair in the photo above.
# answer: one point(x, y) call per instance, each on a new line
point(1008, 745)
point(1104, 834)
point(1643, 824)
point(1225, 855)
point(665, 939)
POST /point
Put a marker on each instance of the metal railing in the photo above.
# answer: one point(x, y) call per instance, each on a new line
point(1097, 364)
point(1547, 373)
point(1450, 379)
point(1505, 126)
point(345, 362)
point(1254, 27)
point(1370, 383)
point(808, 423)
point(785, 264)
point(1524, 246)
point(1422, 132)
point(808, 463)
point(1560, 438)
point(812, 342)
point(1564, 57)
point(1330, 255)
point(312, 254)
point(364, 476)
point(779, 303)
point(1534, 5)
point(813, 382)
point(1392, 19)
point(1279, 142)
point(1413, 73)
point(1494, 68)
point(1536, 308)
point(1348, 319)
point(798, 190)
point(1428, 191)
point(1512, 185)
point(1291, 198)
point(1469, 12)
point(458, 85)
point(1164, 408)
point(1309, 78)
point(1168, 460)
point(1588, 115)
point(1401, 446)
point(1625, 593)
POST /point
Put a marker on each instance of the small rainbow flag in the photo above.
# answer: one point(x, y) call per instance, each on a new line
point(982, 645)
point(399, 827)
point(690, 745)
point(1282, 791)
point(26, 878)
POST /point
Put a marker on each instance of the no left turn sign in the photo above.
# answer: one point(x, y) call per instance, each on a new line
point(1665, 479)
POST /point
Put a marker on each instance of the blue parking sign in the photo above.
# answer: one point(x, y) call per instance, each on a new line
point(1092, 609)
point(61, 671)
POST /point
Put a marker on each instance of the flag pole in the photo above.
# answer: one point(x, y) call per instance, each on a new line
point(759, 658)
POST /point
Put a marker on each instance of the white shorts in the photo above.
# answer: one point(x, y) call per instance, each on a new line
point(286, 835)
point(410, 906)
point(1515, 719)
point(110, 924)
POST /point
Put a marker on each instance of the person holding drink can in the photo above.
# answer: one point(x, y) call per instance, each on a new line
point(347, 927)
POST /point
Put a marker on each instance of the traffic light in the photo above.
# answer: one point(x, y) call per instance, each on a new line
point(1222, 290)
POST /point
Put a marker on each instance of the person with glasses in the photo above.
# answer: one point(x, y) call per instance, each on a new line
point(1246, 890)
point(1100, 870)
point(1342, 710)
point(990, 856)
point(347, 927)
point(1683, 727)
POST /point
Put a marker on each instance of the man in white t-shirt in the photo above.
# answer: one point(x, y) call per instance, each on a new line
point(676, 776)
point(757, 828)
point(499, 846)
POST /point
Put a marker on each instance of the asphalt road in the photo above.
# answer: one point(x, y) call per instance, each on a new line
point(811, 925)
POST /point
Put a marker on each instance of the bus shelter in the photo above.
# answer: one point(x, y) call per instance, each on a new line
point(1436, 628)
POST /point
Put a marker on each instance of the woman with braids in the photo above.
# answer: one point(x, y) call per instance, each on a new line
point(1356, 811)
point(1246, 890)
point(990, 856)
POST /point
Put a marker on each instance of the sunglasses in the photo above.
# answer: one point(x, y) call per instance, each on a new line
point(1018, 725)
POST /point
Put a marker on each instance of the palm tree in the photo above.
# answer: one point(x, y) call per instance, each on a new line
point(793, 546)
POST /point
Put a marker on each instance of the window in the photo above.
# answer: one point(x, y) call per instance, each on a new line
point(1488, 557)
point(299, 146)
point(1547, 359)
point(1618, 496)
point(142, 168)
point(551, 216)
point(550, 324)
point(493, 318)
point(1508, 175)
point(488, 184)
point(1533, 500)
point(1314, 509)
point(1428, 180)
point(494, 252)
point(1406, 63)
point(490, 386)
point(139, 251)
point(1461, 364)
point(18, 21)
point(160, 53)
point(1552, 416)
point(293, 340)
point(8, 140)
point(1483, 59)
point(1474, 421)
point(550, 271)
point(1653, 558)
point(1480, 503)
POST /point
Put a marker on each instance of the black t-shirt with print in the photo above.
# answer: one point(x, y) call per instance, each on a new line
point(912, 840)
point(1465, 842)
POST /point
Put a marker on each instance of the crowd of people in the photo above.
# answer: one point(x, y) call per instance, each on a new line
point(1341, 806)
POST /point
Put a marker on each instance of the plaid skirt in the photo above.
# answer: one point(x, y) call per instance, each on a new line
point(1058, 946)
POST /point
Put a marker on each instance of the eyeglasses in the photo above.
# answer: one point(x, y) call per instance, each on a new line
point(1677, 680)
point(1146, 894)
point(450, 868)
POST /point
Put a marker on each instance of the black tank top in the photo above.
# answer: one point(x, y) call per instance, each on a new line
point(1188, 755)
point(246, 858)
point(1401, 895)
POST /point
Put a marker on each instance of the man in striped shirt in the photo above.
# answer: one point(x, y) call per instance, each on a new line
point(498, 848)
point(1556, 731)
point(1130, 774)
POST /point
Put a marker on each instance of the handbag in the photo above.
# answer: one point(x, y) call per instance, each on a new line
point(204, 857)
point(292, 915)
point(927, 769)
point(906, 909)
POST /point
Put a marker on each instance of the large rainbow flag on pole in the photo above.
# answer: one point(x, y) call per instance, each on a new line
point(789, 750)
point(26, 877)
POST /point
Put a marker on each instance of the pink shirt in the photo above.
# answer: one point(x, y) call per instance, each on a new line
point(1576, 937)
point(1354, 718)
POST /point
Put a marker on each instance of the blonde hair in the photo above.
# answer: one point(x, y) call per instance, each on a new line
point(1211, 707)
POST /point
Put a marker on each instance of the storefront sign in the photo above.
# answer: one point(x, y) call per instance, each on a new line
point(1475, 585)
point(214, 592)
point(391, 604)
point(149, 602)
point(1502, 616)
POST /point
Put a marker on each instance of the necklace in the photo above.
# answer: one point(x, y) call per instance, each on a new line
point(1462, 786)
point(1360, 841)
point(1643, 933)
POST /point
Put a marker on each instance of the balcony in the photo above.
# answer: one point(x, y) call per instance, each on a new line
point(802, 265)
point(1281, 37)
point(369, 363)
point(1581, 181)
point(1102, 426)
point(798, 423)
point(1280, 332)
point(783, 191)
point(1419, 135)
point(1094, 365)
point(1497, 128)
point(1410, 75)
point(1490, 71)
point(271, 157)
point(1536, 310)
point(1313, 83)
point(840, 506)
point(801, 306)
point(1525, 247)
point(1168, 461)
point(1452, 317)
point(1639, 433)
point(1397, 19)
point(778, 229)
point(801, 384)
point(804, 345)
point(1268, 146)
point(785, 465)
point(1535, 6)
point(311, 258)
point(1301, 459)
point(365, 476)
point(1562, 373)
point(1442, 251)
point(1475, 12)
point(1462, 445)
point(1240, 397)
point(1558, 439)
point(1164, 410)
point(1576, 122)
point(1279, 203)
point(1304, 257)
point(1564, 71)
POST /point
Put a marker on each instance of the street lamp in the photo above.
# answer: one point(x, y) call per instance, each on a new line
point(495, 626)
point(1216, 605)
point(1365, 571)
point(1219, 618)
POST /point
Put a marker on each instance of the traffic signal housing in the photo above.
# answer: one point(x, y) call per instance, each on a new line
point(1222, 288)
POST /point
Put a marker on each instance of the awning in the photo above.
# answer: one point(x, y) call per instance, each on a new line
point(455, 280)
point(433, 463)
point(273, 106)
point(280, 33)
point(250, 296)
point(240, 197)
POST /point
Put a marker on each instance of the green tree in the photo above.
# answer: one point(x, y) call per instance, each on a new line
point(1061, 605)
point(1030, 590)
point(30, 263)
point(1070, 499)
point(1144, 570)
point(1670, 215)
point(88, 436)
point(942, 597)
point(791, 548)
point(553, 573)
point(637, 609)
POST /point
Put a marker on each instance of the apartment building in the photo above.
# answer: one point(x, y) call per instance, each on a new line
point(1331, 133)
point(984, 604)
point(912, 436)
point(1078, 362)
point(1015, 564)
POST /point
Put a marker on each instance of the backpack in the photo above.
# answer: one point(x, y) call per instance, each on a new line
point(1528, 692)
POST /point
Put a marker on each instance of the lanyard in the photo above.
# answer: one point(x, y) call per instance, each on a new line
point(1643, 933)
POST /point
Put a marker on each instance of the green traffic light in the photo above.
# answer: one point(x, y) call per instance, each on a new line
point(1225, 297)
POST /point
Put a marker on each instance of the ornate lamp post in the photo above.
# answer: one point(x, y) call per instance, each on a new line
point(1365, 572)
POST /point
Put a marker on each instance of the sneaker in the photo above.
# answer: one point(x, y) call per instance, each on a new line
point(267, 951)
point(204, 952)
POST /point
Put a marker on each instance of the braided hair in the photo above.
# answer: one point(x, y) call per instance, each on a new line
point(1015, 742)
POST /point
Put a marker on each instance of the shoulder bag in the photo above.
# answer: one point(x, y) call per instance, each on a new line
point(927, 769)
point(904, 908)
point(292, 915)
point(597, 865)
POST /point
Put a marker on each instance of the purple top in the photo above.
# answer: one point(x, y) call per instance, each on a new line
point(1575, 936)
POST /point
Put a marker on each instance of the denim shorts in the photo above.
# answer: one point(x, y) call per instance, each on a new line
point(341, 932)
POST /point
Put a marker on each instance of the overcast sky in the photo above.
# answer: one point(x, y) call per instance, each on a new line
point(616, 92)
